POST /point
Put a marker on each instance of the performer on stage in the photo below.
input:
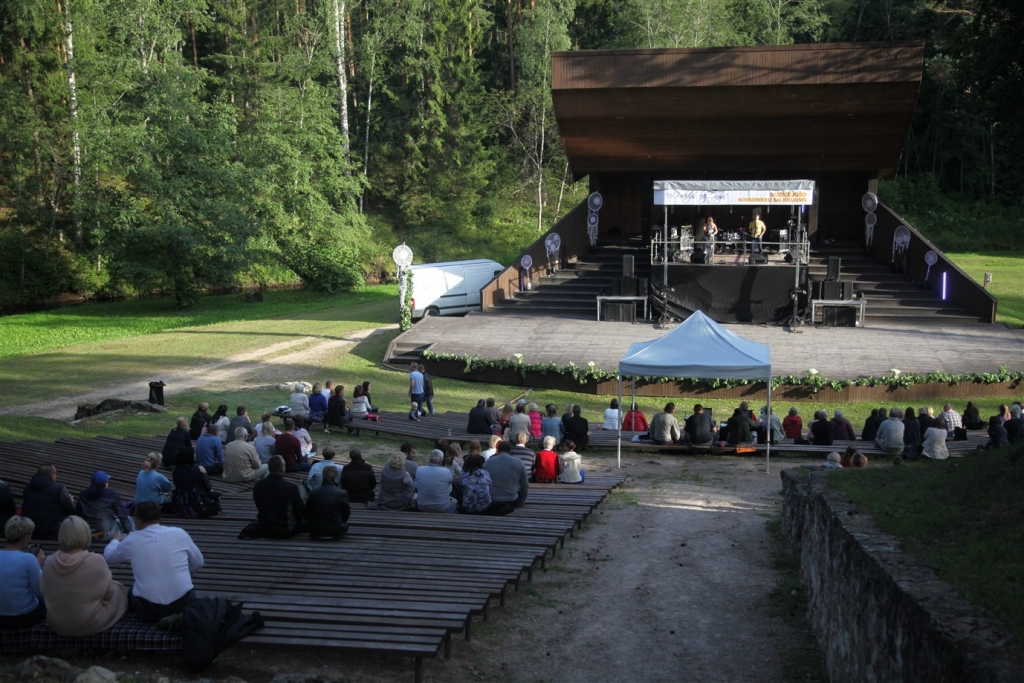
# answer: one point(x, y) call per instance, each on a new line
point(710, 232)
point(756, 230)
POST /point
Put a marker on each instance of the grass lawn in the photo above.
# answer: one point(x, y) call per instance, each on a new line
point(1007, 281)
point(961, 517)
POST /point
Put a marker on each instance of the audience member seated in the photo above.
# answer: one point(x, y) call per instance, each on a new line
point(266, 420)
point(833, 461)
point(510, 483)
point(242, 461)
point(21, 603)
point(997, 435)
point(842, 429)
point(397, 489)
point(770, 426)
point(476, 486)
point(279, 509)
point(453, 461)
point(533, 412)
point(1003, 413)
point(551, 424)
point(521, 451)
point(972, 418)
point(612, 416)
point(151, 485)
point(410, 458)
point(793, 425)
point(665, 426)
point(739, 429)
point(507, 411)
point(634, 421)
point(1014, 426)
point(265, 442)
point(880, 418)
point(858, 460)
point(847, 457)
point(473, 448)
point(434, 486)
point(911, 433)
point(298, 402)
point(199, 420)
point(241, 419)
point(358, 479)
point(889, 438)
point(316, 473)
point(360, 406)
point(492, 446)
point(101, 507)
point(304, 437)
point(952, 419)
point(577, 428)
point(480, 420)
point(163, 559)
point(288, 446)
point(493, 412)
point(317, 404)
point(46, 502)
point(570, 464)
point(519, 423)
point(699, 429)
point(222, 422)
point(366, 394)
point(327, 509)
point(546, 467)
point(7, 505)
point(870, 426)
point(81, 596)
point(210, 451)
point(820, 432)
point(178, 439)
point(193, 496)
point(337, 410)
point(926, 418)
point(934, 445)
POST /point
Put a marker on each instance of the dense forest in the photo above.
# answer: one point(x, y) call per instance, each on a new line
point(155, 146)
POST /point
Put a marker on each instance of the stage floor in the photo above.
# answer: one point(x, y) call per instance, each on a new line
point(836, 353)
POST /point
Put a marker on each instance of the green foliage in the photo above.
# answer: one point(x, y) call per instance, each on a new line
point(961, 517)
point(1007, 281)
point(406, 313)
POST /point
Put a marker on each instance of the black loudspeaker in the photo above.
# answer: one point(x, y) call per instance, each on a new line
point(628, 286)
point(832, 290)
point(641, 286)
point(816, 289)
point(835, 265)
point(758, 259)
point(627, 265)
point(699, 256)
point(839, 316)
point(847, 290)
point(616, 312)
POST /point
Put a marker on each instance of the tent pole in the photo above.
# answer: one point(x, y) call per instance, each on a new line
point(768, 450)
point(619, 440)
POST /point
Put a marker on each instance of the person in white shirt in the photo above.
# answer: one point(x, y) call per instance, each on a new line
point(612, 416)
point(163, 559)
point(495, 440)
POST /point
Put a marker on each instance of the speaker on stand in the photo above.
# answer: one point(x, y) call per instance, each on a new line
point(835, 265)
point(627, 265)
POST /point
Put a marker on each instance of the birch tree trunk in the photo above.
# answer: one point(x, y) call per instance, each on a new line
point(338, 7)
point(76, 148)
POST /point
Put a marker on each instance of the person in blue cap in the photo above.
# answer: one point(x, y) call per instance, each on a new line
point(101, 507)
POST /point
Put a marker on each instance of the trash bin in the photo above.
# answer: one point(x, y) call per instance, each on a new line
point(156, 392)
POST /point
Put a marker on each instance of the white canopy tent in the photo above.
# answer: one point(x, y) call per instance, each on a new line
point(721, 355)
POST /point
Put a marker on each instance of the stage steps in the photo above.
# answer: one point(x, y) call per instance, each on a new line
point(890, 296)
point(572, 291)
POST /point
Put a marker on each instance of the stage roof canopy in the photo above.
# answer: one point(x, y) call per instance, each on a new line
point(777, 109)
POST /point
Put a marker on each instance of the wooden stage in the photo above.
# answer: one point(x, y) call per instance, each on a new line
point(400, 583)
point(836, 353)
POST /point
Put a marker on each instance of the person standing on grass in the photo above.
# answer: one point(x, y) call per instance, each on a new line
point(428, 391)
point(416, 385)
point(163, 559)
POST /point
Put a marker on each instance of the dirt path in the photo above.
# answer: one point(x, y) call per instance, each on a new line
point(214, 373)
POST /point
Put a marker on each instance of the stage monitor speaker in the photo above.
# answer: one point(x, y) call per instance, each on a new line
point(641, 286)
point(627, 265)
point(847, 287)
point(835, 265)
point(816, 289)
point(699, 256)
point(628, 286)
point(839, 316)
point(619, 312)
point(758, 259)
point(832, 290)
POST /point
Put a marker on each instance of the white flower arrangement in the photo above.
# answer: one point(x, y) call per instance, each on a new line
point(518, 357)
point(811, 372)
point(895, 373)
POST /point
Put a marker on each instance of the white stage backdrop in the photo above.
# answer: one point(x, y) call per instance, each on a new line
point(726, 192)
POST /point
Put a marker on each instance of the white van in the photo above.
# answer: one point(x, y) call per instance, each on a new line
point(450, 288)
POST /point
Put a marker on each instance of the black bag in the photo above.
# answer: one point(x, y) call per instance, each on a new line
point(210, 625)
point(959, 434)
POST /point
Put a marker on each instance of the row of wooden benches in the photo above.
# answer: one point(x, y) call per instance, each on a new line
point(401, 583)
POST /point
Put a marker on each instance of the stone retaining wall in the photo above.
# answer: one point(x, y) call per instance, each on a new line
point(878, 615)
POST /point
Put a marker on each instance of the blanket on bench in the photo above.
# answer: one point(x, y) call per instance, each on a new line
point(130, 633)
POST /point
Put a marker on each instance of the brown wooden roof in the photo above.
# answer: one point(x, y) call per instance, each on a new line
point(792, 108)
